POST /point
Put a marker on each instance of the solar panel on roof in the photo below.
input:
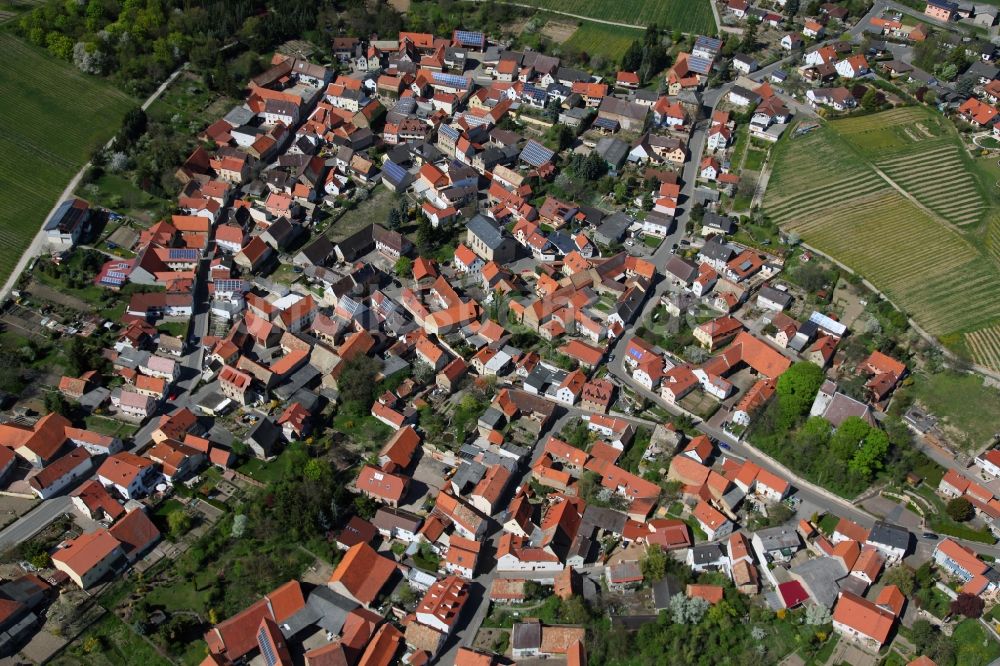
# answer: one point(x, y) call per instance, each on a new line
point(180, 253)
point(699, 65)
point(448, 131)
point(535, 153)
point(395, 172)
point(451, 80)
point(606, 123)
point(118, 275)
point(229, 285)
point(467, 37)
point(475, 121)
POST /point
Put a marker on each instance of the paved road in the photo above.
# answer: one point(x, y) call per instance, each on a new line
point(38, 243)
point(34, 521)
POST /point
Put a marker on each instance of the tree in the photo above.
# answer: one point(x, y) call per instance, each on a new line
point(365, 506)
point(698, 212)
point(55, 403)
point(318, 469)
point(792, 7)
point(869, 101)
point(178, 522)
point(902, 577)
point(357, 382)
point(653, 563)
point(239, 525)
point(749, 41)
point(404, 267)
point(965, 85)
point(959, 509)
point(811, 276)
point(923, 634)
point(867, 460)
point(77, 356)
point(797, 388)
point(817, 614)
point(778, 513)
point(632, 58)
point(593, 167)
point(968, 605)
point(687, 611)
point(561, 136)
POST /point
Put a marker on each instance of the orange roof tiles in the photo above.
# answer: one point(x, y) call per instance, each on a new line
point(863, 617)
point(363, 573)
point(713, 594)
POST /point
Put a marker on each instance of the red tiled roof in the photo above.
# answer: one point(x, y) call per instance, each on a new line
point(136, 532)
point(864, 617)
point(363, 573)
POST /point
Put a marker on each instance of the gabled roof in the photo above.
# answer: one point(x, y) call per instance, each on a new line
point(363, 573)
point(863, 617)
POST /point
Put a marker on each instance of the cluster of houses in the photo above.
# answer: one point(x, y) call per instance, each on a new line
point(304, 137)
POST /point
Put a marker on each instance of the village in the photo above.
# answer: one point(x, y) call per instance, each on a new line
point(527, 330)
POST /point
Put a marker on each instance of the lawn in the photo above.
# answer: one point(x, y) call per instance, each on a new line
point(828, 523)
point(839, 187)
point(54, 117)
point(610, 41)
point(178, 329)
point(121, 195)
point(691, 16)
point(754, 160)
point(111, 427)
point(969, 410)
point(973, 645)
point(373, 210)
point(364, 430)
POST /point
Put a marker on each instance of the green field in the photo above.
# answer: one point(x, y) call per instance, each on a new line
point(691, 16)
point(53, 118)
point(610, 41)
point(895, 197)
point(969, 410)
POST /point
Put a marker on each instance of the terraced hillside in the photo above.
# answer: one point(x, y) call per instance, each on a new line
point(895, 197)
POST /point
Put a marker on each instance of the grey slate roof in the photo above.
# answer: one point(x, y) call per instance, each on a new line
point(889, 535)
point(485, 231)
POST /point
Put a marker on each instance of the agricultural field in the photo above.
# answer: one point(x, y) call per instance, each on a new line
point(609, 41)
point(895, 197)
point(54, 117)
point(691, 16)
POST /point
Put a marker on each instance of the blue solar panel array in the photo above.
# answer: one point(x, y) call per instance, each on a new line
point(469, 38)
point(534, 92)
point(699, 65)
point(229, 285)
point(182, 254)
point(536, 154)
point(451, 80)
point(708, 43)
point(606, 123)
point(449, 132)
point(475, 121)
point(270, 659)
point(393, 172)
